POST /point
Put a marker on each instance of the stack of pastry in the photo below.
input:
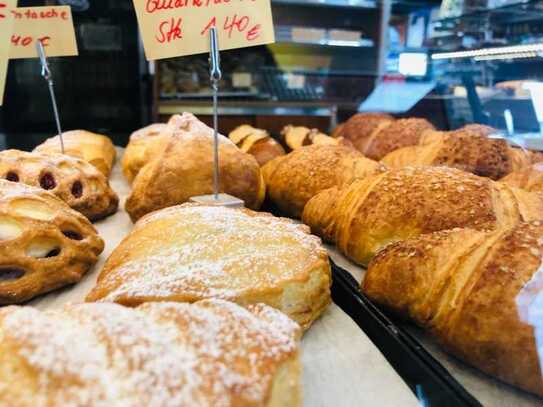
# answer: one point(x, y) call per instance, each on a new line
point(295, 178)
point(300, 136)
point(256, 142)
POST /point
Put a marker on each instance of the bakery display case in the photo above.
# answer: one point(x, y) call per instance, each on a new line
point(388, 155)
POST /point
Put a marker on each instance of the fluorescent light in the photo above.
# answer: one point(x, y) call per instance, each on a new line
point(489, 51)
point(531, 54)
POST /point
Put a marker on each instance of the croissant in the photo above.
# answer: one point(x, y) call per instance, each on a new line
point(462, 149)
point(478, 293)
point(75, 181)
point(234, 254)
point(359, 128)
point(365, 216)
point(299, 136)
point(528, 178)
point(95, 149)
point(182, 167)
point(211, 353)
point(44, 245)
point(296, 177)
point(256, 142)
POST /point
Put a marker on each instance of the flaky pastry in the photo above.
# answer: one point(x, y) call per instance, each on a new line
point(212, 353)
point(529, 178)
point(256, 142)
point(44, 244)
point(233, 254)
point(75, 181)
point(299, 136)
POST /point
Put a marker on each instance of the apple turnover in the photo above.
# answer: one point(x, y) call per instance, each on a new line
point(75, 181)
point(212, 353)
point(210, 251)
point(44, 244)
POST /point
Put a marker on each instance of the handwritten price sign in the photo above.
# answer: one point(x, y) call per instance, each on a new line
point(6, 27)
point(52, 25)
point(173, 28)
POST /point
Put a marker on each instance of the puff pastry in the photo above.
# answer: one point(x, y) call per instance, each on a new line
point(300, 136)
point(365, 216)
point(182, 167)
point(478, 293)
point(95, 149)
point(295, 178)
point(360, 127)
point(212, 353)
point(256, 142)
point(75, 181)
point(234, 254)
point(44, 244)
point(529, 178)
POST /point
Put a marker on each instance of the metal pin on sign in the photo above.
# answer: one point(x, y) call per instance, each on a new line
point(215, 76)
point(46, 73)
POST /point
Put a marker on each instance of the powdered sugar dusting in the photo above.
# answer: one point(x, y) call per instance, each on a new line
point(160, 354)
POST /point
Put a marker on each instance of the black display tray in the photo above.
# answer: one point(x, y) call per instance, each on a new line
point(426, 377)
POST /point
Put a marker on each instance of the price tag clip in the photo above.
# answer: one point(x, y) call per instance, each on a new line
point(215, 76)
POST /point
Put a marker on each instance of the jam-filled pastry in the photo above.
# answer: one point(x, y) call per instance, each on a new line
point(75, 181)
point(95, 149)
point(212, 353)
point(190, 252)
point(44, 244)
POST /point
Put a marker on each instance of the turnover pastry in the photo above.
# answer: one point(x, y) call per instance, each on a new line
point(466, 149)
point(299, 136)
point(44, 244)
point(529, 178)
point(95, 149)
point(478, 293)
point(75, 181)
point(210, 251)
point(183, 167)
point(212, 353)
point(365, 216)
point(256, 142)
point(298, 176)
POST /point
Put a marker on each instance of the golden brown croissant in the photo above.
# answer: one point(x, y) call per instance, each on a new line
point(235, 254)
point(182, 167)
point(211, 353)
point(299, 136)
point(95, 149)
point(528, 178)
point(295, 178)
point(44, 244)
point(462, 149)
point(75, 181)
point(256, 142)
point(365, 216)
point(478, 293)
point(359, 128)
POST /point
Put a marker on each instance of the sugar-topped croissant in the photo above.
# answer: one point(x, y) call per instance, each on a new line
point(181, 167)
point(295, 178)
point(365, 216)
point(95, 149)
point(44, 244)
point(468, 149)
point(480, 294)
point(73, 180)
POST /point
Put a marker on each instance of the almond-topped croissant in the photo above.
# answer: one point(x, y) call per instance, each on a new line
point(44, 244)
point(298, 136)
point(528, 178)
point(478, 293)
point(182, 167)
point(295, 178)
point(465, 149)
point(365, 216)
point(95, 149)
point(256, 142)
point(75, 181)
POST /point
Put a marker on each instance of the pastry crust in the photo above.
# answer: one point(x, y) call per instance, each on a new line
point(476, 292)
point(44, 244)
point(359, 128)
point(295, 178)
point(95, 149)
point(256, 142)
point(75, 181)
point(209, 251)
point(365, 216)
point(212, 353)
point(182, 167)
point(296, 137)
point(528, 178)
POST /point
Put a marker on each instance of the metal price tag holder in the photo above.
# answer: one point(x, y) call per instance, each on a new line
point(46, 73)
point(215, 75)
